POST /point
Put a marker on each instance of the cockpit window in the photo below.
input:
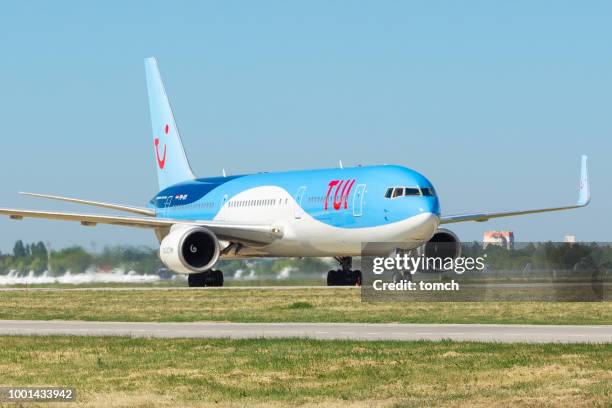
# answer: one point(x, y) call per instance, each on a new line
point(428, 191)
point(394, 192)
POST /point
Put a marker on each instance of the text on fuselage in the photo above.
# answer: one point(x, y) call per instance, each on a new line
point(343, 189)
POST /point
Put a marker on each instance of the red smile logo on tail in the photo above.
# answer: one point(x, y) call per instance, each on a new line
point(161, 162)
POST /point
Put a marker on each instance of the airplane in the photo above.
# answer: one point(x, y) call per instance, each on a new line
point(310, 213)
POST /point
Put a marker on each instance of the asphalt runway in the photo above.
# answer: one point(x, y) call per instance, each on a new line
point(133, 288)
point(323, 331)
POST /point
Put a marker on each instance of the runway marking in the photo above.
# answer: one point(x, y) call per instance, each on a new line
point(328, 331)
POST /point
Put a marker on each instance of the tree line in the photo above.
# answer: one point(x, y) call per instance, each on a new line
point(36, 257)
point(543, 256)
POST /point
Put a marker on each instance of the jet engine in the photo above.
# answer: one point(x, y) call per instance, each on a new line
point(189, 249)
point(443, 244)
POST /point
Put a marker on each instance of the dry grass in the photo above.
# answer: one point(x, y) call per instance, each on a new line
point(294, 305)
point(124, 372)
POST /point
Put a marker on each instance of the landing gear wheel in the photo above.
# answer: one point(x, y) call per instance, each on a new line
point(344, 276)
point(212, 278)
point(332, 278)
point(216, 278)
point(197, 280)
point(357, 278)
point(399, 277)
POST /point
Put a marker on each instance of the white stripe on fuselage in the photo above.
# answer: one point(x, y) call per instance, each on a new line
point(305, 236)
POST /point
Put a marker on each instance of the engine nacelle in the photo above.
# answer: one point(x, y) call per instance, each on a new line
point(189, 249)
point(443, 244)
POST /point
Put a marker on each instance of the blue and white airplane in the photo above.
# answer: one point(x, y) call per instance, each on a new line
point(310, 213)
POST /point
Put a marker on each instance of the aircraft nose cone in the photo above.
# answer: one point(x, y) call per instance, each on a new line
point(427, 226)
point(430, 205)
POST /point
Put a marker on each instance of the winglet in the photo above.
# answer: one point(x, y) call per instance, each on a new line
point(584, 197)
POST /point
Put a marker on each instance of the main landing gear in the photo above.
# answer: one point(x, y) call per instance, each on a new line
point(344, 276)
point(207, 278)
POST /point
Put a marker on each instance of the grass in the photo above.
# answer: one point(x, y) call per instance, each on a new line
point(301, 305)
point(174, 283)
point(114, 371)
point(284, 305)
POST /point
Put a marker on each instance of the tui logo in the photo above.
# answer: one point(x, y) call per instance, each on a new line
point(344, 188)
point(161, 161)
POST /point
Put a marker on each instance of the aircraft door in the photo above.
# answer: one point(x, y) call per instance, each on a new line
point(358, 200)
point(166, 207)
point(298, 212)
point(221, 204)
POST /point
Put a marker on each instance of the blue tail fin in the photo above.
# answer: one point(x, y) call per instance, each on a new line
point(170, 159)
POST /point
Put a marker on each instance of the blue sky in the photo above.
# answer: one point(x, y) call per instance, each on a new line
point(493, 102)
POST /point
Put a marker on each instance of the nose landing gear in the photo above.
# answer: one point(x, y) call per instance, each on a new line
point(344, 276)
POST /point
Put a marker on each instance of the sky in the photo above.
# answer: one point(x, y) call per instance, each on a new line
point(493, 101)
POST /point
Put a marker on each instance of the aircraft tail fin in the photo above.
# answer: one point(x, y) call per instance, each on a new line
point(584, 196)
point(171, 161)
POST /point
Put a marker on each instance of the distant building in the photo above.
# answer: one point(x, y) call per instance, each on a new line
point(570, 239)
point(503, 239)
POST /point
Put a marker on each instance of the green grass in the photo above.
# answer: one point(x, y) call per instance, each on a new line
point(300, 305)
point(113, 371)
point(285, 305)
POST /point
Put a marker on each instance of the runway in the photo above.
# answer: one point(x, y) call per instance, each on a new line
point(152, 288)
point(322, 331)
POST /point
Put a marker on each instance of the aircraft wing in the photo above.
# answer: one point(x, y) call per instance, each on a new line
point(584, 198)
point(126, 208)
point(224, 230)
